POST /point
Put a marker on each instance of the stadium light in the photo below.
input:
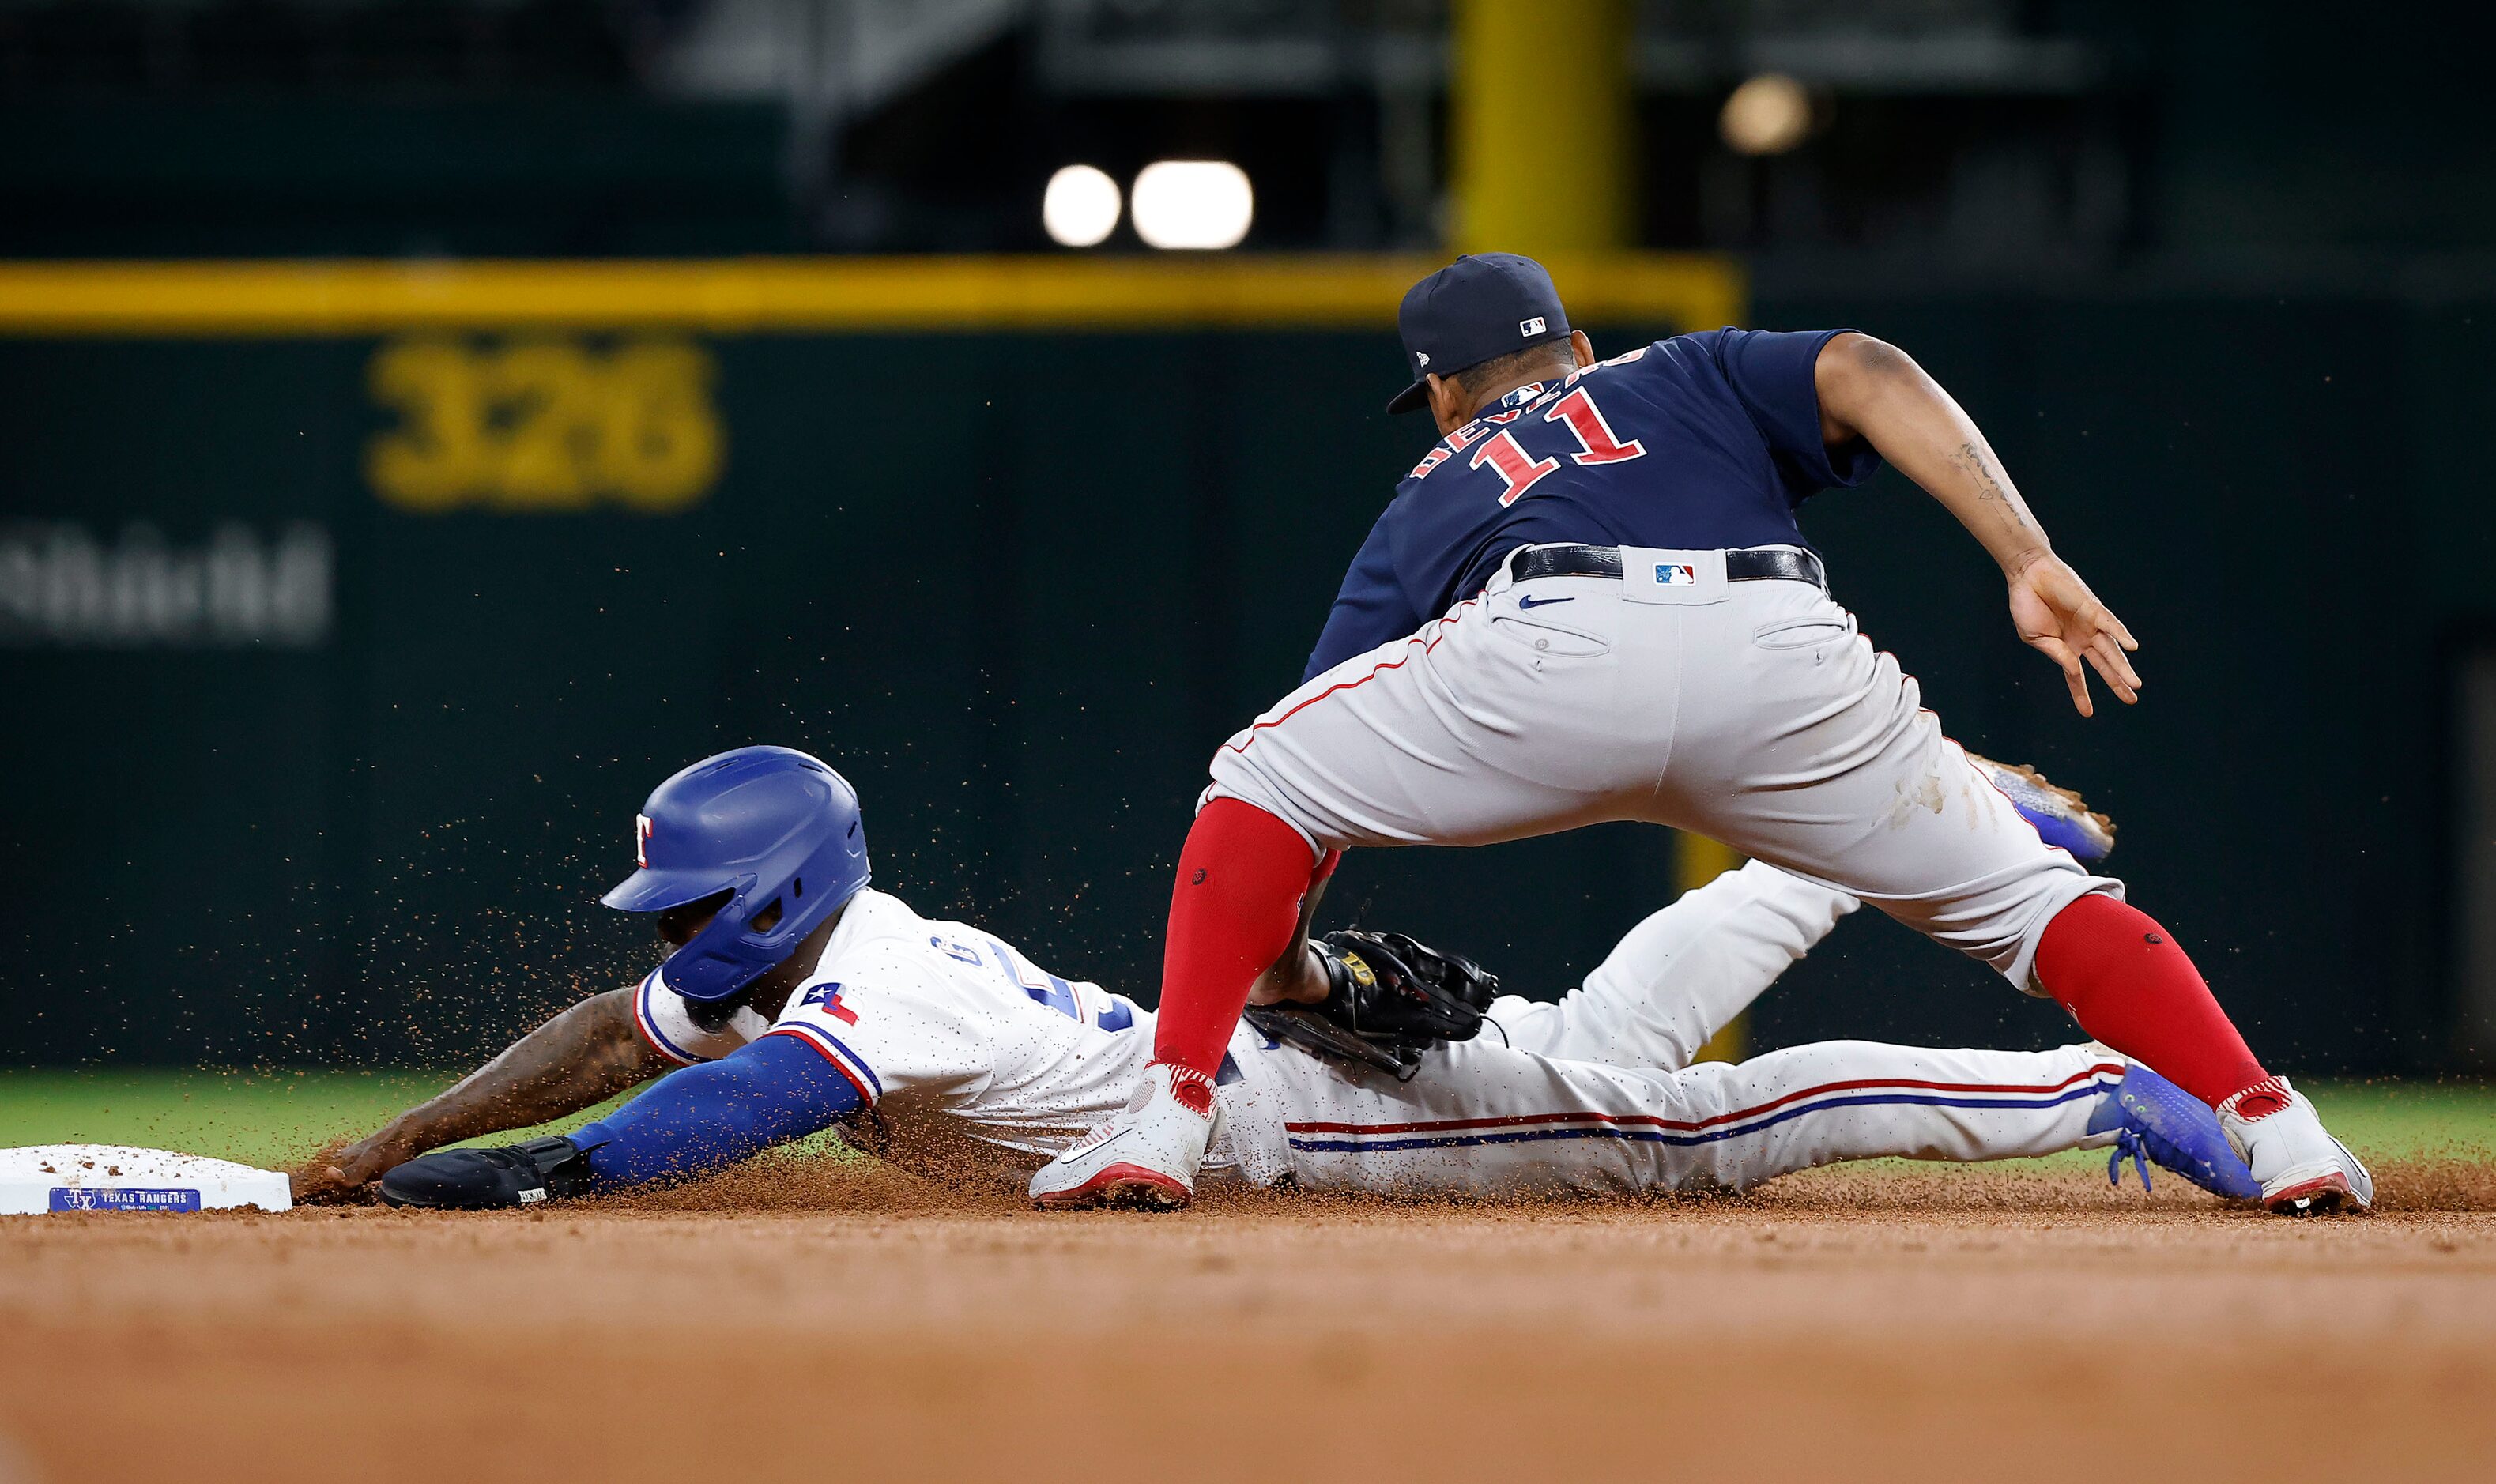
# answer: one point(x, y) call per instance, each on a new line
point(1080, 208)
point(1766, 115)
point(1193, 203)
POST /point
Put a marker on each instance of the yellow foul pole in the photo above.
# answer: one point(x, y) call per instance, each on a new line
point(1541, 165)
point(1541, 108)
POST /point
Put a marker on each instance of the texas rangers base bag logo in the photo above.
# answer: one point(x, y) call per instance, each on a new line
point(642, 839)
point(122, 1198)
point(1675, 574)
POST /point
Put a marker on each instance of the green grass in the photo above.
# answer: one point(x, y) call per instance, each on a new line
point(269, 1118)
point(274, 1117)
point(2394, 1119)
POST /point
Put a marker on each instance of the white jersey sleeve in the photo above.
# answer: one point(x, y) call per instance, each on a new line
point(684, 1034)
point(890, 1023)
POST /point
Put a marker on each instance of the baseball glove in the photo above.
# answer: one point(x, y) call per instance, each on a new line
point(490, 1179)
point(1391, 998)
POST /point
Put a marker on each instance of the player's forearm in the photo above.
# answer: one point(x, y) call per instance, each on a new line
point(580, 1058)
point(1299, 976)
point(1876, 391)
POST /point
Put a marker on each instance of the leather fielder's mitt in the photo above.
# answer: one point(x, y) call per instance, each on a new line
point(1392, 998)
point(490, 1179)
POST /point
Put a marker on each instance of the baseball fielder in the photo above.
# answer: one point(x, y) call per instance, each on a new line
point(797, 998)
point(1591, 601)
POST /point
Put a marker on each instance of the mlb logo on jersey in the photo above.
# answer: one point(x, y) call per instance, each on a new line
point(1675, 574)
point(642, 839)
point(1532, 327)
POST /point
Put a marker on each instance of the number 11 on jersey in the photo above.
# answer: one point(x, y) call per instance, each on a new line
point(1507, 459)
point(1585, 419)
point(1597, 444)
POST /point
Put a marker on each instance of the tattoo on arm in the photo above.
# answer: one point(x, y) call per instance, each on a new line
point(1874, 391)
point(1990, 490)
point(1971, 457)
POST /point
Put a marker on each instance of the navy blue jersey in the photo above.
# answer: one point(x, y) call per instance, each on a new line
point(1691, 444)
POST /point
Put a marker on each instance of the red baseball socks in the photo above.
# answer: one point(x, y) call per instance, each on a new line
point(1241, 878)
point(2124, 979)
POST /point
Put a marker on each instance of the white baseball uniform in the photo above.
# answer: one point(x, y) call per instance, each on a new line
point(940, 1024)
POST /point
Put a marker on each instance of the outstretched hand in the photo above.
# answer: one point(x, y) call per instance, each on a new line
point(340, 1174)
point(2055, 612)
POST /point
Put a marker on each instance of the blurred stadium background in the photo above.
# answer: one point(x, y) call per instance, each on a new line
point(425, 424)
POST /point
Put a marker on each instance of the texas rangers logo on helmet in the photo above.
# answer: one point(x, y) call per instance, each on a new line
point(642, 839)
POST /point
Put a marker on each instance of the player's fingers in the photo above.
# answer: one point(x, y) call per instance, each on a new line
point(2125, 691)
point(2052, 647)
point(2073, 674)
point(2108, 656)
point(2123, 635)
point(2123, 663)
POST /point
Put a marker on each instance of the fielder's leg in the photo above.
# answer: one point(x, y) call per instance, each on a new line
point(1867, 793)
point(1241, 880)
point(1682, 974)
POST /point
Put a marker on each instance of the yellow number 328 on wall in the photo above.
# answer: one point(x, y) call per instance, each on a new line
point(544, 425)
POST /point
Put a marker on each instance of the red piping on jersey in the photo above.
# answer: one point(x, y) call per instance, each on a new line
point(1649, 1121)
point(866, 1099)
point(1442, 625)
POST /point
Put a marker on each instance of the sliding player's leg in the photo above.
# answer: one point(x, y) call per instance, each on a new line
point(1682, 974)
point(1488, 1120)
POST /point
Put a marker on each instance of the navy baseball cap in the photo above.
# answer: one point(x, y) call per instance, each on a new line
point(1479, 306)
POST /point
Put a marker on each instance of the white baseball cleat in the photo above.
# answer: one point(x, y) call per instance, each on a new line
point(2303, 1170)
point(1145, 1157)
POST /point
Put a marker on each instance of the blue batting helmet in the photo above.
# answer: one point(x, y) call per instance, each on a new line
point(775, 829)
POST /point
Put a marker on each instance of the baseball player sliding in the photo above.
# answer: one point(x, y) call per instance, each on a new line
point(796, 998)
point(1591, 601)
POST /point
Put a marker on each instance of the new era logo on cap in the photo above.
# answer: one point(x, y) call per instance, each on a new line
point(1532, 326)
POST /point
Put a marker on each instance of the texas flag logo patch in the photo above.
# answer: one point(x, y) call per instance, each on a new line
point(1675, 574)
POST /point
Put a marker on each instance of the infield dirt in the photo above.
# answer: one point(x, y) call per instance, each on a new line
point(809, 1319)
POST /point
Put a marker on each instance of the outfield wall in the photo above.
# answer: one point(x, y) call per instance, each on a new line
point(346, 612)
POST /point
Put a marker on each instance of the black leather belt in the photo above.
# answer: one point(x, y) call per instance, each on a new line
point(1743, 563)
